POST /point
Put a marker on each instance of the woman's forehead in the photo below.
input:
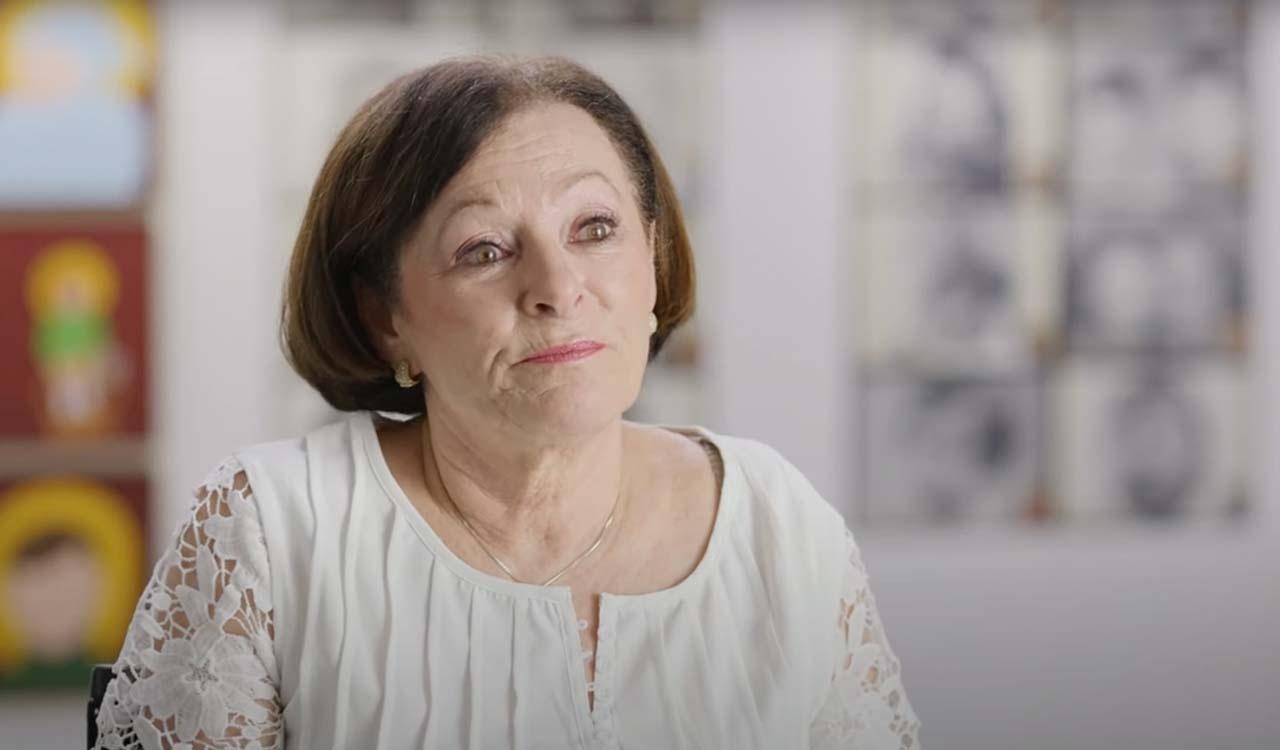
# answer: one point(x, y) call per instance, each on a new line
point(558, 145)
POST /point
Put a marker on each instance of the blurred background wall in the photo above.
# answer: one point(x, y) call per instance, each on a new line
point(1014, 631)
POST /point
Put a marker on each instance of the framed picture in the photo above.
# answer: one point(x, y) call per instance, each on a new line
point(72, 556)
point(965, 283)
point(1158, 95)
point(1149, 438)
point(75, 116)
point(73, 321)
point(957, 96)
point(941, 450)
point(1057, 188)
point(1165, 281)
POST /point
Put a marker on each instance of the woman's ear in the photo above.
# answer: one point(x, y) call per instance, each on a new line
point(375, 316)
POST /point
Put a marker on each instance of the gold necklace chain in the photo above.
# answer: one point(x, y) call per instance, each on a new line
point(475, 535)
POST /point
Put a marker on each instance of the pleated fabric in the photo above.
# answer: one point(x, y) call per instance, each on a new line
point(386, 639)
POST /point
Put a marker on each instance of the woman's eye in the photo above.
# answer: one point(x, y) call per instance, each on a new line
point(483, 255)
point(596, 230)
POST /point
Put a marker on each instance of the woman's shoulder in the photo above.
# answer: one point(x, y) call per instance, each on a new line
point(777, 500)
point(296, 481)
point(771, 475)
point(289, 461)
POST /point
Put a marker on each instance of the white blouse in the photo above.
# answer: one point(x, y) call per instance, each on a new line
point(305, 603)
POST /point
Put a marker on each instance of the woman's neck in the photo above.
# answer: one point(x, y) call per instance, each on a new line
point(534, 505)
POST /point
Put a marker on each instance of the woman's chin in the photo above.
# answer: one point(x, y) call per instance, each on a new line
point(568, 412)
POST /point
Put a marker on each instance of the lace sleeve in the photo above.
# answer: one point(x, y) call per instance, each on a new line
point(866, 707)
point(197, 669)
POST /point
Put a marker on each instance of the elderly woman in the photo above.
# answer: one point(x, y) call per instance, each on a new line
point(494, 249)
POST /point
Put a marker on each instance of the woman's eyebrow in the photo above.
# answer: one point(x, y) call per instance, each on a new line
point(473, 200)
point(574, 178)
point(465, 202)
point(458, 205)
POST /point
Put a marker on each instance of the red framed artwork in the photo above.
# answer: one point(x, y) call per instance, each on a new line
point(73, 333)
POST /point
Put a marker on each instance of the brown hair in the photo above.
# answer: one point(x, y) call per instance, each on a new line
point(391, 161)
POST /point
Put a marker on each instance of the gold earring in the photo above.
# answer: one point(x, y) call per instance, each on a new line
point(402, 375)
point(653, 323)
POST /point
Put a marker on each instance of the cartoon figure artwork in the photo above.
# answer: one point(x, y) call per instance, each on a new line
point(75, 149)
point(72, 291)
point(75, 78)
point(71, 564)
point(72, 316)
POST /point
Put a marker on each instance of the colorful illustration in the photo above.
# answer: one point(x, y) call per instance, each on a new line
point(72, 291)
point(71, 567)
point(75, 78)
point(74, 313)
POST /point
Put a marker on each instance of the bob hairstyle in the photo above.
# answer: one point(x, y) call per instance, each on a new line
point(390, 163)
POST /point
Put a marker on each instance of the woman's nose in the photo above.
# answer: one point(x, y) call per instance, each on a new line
point(552, 278)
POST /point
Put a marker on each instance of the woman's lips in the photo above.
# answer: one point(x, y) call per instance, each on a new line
point(564, 353)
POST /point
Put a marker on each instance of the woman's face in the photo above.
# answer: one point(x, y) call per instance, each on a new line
point(537, 243)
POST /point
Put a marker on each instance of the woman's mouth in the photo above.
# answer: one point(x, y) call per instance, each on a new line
point(564, 353)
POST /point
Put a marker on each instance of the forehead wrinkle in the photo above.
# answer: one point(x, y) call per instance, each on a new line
point(554, 183)
point(552, 156)
point(490, 172)
point(534, 149)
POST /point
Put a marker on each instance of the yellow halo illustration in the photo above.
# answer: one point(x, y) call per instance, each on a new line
point(95, 514)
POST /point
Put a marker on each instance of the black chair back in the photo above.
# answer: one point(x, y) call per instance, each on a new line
point(98, 682)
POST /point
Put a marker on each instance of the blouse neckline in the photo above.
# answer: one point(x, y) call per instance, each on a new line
point(365, 432)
